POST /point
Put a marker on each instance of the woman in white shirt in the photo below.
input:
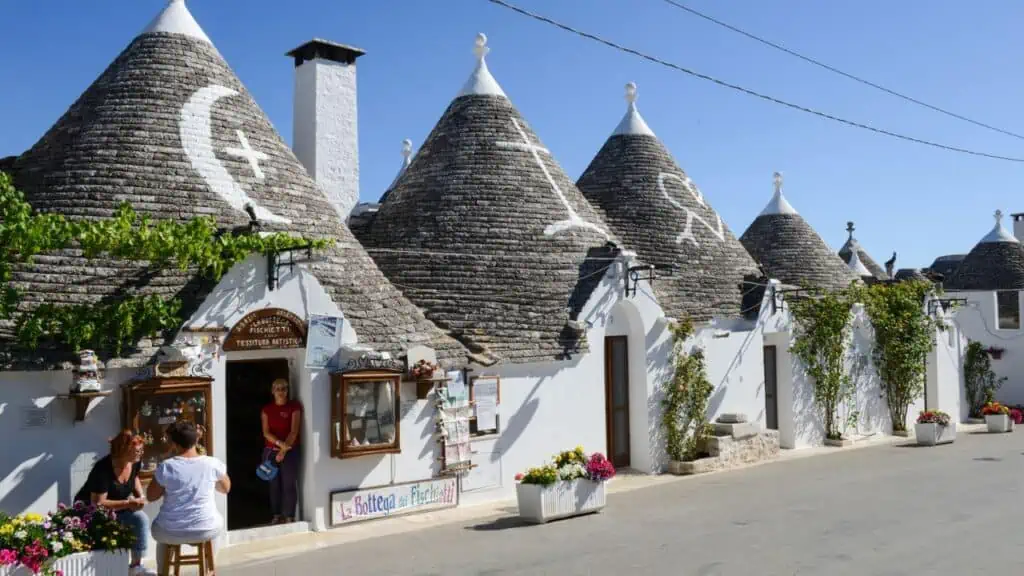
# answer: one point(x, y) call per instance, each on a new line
point(187, 482)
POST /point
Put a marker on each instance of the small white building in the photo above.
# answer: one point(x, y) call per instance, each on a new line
point(989, 280)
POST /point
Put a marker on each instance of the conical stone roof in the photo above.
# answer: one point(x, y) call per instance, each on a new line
point(488, 235)
point(657, 210)
point(791, 251)
point(995, 263)
point(169, 128)
point(851, 245)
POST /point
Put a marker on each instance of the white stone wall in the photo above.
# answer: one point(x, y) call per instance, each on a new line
point(326, 131)
point(977, 320)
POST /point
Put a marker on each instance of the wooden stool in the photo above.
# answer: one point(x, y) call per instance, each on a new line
point(174, 560)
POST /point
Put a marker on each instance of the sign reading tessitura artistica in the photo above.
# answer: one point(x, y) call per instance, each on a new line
point(267, 329)
point(396, 500)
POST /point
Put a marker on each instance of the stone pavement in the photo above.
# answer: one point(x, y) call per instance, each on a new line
point(886, 510)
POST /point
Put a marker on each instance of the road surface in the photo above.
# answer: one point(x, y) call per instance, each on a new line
point(885, 510)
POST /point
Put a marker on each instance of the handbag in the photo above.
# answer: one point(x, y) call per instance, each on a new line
point(267, 471)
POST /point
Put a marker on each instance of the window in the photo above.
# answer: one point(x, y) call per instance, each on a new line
point(365, 413)
point(152, 405)
point(1008, 309)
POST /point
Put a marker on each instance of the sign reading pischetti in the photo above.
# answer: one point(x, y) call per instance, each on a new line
point(396, 500)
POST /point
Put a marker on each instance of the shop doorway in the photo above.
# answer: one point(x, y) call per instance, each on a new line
point(616, 391)
point(248, 391)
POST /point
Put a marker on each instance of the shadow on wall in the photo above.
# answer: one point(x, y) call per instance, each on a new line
point(808, 423)
point(238, 292)
point(661, 369)
point(52, 454)
point(518, 422)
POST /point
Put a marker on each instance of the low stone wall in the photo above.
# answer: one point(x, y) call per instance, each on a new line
point(732, 446)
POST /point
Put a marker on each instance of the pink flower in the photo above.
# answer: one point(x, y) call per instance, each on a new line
point(8, 557)
point(519, 476)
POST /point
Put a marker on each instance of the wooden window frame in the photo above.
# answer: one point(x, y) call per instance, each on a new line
point(136, 394)
point(339, 383)
point(473, 432)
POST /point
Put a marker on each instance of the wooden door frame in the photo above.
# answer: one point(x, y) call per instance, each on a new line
point(609, 416)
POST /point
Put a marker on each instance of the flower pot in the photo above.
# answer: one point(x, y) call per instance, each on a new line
point(105, 563)
point(931, 434)
point(999, 422)
point(541, 504)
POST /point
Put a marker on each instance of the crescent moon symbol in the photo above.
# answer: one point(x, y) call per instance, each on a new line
point(197, 140)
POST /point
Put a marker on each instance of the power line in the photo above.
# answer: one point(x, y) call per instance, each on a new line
point(820, 64)
point(748, 91)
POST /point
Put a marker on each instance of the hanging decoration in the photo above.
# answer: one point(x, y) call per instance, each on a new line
point(454, 411)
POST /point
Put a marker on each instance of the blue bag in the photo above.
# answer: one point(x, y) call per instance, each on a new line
point(267, 471)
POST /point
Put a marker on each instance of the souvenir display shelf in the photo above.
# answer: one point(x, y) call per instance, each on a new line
point(151, 405)
point(453, 423)
point(365, 413)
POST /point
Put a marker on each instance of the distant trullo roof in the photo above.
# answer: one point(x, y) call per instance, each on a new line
point(995, 263)
point(361, 218)
point(171, 129)
point(866, 260)
point(790, 250)
point(658, 212)
point(488, 235)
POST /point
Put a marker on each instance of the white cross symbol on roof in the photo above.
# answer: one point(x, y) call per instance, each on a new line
point(246, 152)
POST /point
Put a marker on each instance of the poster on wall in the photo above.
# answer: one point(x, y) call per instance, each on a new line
point(323, 340)
point(395, 500)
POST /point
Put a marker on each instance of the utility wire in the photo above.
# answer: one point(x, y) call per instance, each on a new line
point(821, 64)
point(748, 91)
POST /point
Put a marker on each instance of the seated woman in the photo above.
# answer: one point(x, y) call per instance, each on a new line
point(114, 484)
point(187, 482)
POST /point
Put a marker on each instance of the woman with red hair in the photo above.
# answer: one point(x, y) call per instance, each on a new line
point(114, 484)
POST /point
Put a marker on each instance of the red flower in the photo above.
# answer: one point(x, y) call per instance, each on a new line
point(519, 476)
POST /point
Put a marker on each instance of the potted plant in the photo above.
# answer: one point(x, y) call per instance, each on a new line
point(423, 373)
point(997, 417)
point(934, 427)
point(77, 541)
point(572, 484)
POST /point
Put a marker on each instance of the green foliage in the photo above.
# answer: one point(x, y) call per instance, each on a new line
point(820, 340)
point(684, 416)
point(980, 382)
point(904, 335)
point(113, 325)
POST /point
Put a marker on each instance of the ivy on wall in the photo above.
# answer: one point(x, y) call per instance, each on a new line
point(114, 325)
point(684, 418)
point(904, 336)
point(820, 339)
point(980, 381)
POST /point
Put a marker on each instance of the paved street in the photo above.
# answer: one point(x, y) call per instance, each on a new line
point(887, 510)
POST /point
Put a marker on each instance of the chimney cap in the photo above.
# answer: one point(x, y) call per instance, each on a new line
point(319, 48)
point(1017, 216)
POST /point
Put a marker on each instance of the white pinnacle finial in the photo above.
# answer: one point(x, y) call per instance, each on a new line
point(778, 204)
point(481, 49)
point(406, 148)
point(480, 81)
point(176, 19)
point(998, 233)
point(631, 92)
point(632, 123)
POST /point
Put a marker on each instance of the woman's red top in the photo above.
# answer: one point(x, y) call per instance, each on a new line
point(279, 420)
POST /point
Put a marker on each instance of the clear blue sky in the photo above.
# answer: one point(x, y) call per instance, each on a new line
point(905, 197)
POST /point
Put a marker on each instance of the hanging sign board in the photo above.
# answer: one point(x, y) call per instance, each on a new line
point(267, 329)
point(396, 500)
point(323, 341)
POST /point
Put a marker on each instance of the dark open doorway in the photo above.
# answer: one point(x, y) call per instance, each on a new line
point(248, 390)
point(616, 393)
point(771, 389)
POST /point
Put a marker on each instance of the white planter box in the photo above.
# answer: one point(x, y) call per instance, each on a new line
point(84, 564)
point(999, 423)
point(560, 500)
point(930, 434)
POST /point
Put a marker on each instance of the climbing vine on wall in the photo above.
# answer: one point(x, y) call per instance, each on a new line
point(113, 325)
point(904, 335)
point(820, 339)
point(684, 416)
point(980, 381)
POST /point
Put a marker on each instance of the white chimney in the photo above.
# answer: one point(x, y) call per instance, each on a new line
point(325, 135)
point(1018, 226)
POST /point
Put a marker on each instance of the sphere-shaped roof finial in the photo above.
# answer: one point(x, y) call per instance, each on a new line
point(406, 148)
point(999, 216)
point(481, 49)
point(631, 92)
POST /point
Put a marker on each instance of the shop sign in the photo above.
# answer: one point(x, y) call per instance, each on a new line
point(267, 329)
point(395, 500)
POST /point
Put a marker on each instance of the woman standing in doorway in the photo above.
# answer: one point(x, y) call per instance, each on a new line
point(281, 421)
